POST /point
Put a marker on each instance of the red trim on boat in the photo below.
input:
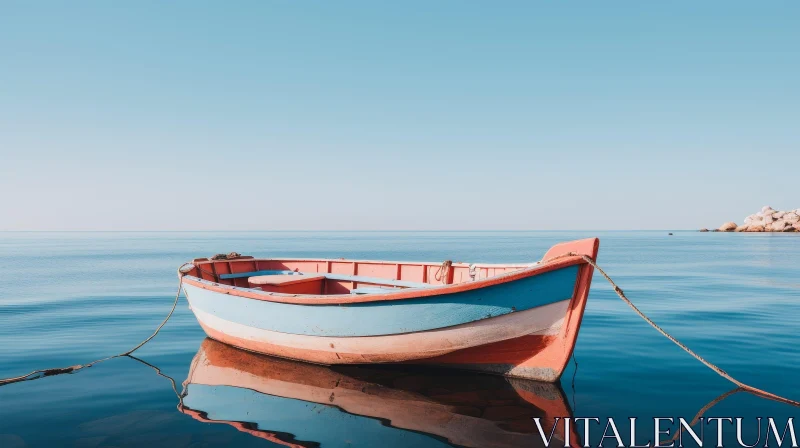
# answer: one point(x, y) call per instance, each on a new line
point(410, 293)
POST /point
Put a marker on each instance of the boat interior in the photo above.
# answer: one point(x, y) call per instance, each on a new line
point(339, 276)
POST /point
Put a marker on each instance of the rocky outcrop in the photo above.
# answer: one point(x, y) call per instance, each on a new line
point(767, 220)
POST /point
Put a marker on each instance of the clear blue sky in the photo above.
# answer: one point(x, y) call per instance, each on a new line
point(396, 115)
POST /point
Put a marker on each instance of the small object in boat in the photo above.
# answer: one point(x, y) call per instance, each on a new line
point(518, 320)
point(230, 256)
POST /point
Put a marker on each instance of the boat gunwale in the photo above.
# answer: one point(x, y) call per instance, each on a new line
point(461, 264)
point(401, 294)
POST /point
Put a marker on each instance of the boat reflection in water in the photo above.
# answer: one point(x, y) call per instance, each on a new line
point(302, 405)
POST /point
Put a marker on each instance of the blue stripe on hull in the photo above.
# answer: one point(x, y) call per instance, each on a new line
point(389, 317)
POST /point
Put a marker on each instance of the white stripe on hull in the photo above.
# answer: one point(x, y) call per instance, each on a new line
point(543, 320)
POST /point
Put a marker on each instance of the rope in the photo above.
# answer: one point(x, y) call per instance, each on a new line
point(443, 271)
point(217, 257)
point(574, 374)
point(209, 273)
point(158, 371)
point(700, 413)
point(708, 364)
point(36, 374)
point(441, 275)
point(230, 256)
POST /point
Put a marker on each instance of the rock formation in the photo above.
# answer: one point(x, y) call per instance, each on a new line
point(767, 220)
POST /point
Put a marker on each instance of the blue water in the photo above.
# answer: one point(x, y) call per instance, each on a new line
point(67, 298)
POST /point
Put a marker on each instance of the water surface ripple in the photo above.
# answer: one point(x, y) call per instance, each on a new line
point(67, 298)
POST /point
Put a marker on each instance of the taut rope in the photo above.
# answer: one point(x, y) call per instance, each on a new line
point(36, 374)
point(717, 370)
point(441, 275)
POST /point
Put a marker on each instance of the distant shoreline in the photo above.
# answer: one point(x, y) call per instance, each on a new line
point(767, 220)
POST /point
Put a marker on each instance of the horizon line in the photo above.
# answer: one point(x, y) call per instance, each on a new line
point(354, 230)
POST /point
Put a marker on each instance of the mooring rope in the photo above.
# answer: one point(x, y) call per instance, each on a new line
point(445, 266)
point(574, 374)
point(36, 374)
point(158, 371)
point(717, 370)
point(443, 272)
point(699, 414)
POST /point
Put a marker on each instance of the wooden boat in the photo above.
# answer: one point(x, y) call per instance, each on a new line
point(304, 405)
point(519, 320)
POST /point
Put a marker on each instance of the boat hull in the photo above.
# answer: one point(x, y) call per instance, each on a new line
point(525, 327)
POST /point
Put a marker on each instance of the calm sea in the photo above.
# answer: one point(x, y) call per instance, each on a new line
point(67, 298)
